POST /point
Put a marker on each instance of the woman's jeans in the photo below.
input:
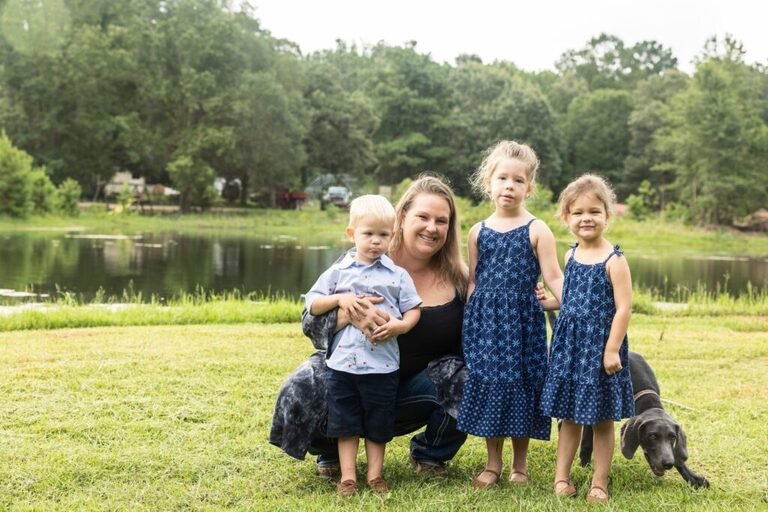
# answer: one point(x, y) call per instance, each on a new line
point(416, 407)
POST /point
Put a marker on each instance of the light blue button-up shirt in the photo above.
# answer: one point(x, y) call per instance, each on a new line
point(351, 351)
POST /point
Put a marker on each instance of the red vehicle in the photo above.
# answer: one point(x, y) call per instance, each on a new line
point(288, 200)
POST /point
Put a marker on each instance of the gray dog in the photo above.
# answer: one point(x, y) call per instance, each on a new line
point(661, 438)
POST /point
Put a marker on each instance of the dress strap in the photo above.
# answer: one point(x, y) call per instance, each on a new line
point(616, 250)
point(573, 249)
point(530, 222)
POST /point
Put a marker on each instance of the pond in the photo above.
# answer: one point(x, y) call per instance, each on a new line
point(164, 264)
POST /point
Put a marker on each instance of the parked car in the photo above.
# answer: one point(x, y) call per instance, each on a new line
point(337, 196)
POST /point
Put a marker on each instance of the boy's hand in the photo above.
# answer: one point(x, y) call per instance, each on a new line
point(549, 304)
point(611, 362)
point(385, 331)
point(352, 304)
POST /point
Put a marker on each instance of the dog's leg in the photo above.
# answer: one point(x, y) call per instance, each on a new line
point(585, 451)
point(691, 477)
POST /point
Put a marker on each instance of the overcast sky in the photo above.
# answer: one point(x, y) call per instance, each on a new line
point(531, 34)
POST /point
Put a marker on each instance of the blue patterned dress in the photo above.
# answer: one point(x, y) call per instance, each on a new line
point(577, 387)
point(505, 340)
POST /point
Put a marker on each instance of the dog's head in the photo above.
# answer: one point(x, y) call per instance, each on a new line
point(661, 438)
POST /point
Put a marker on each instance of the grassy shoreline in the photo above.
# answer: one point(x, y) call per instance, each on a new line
point(177, 417)
point(233, 308)
point(651, 236)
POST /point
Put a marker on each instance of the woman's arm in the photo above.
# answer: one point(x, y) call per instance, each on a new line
point(618, 273)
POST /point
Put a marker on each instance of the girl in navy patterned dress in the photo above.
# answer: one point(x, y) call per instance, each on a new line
point(504, 333)
point(588, 381)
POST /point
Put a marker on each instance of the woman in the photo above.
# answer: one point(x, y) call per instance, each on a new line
point(426, 244)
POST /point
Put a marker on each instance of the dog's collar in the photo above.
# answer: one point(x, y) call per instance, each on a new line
point(644, 392)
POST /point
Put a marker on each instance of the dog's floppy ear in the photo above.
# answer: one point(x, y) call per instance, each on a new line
point(630, 437)
point(681, 445)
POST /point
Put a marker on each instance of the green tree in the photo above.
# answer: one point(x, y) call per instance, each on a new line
point(597, 134)
point(606, 62)
point(409, 91)
point(194, 179)
point(645, 159)
point(719, 139)
point(492, 103)
point(339, 139)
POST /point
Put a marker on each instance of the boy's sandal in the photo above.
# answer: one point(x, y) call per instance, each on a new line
point(599, 498)
point(518, 477)
point(565, 491)
point(481, 484)
point(378, 485)
point(347, 488)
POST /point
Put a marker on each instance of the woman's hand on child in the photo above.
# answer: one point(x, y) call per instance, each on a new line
point(611, 362)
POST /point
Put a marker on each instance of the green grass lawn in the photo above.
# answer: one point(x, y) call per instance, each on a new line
point(177, 417)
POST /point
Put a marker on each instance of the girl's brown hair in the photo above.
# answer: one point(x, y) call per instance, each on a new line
point(586, 184)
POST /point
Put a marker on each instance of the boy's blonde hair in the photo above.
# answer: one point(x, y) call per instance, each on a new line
point(583, 185)
point(504, 150)
point(371, 206)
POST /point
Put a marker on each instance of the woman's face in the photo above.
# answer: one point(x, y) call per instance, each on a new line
point(425, 225)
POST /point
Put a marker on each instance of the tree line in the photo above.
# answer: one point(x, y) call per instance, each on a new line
point(182, 91)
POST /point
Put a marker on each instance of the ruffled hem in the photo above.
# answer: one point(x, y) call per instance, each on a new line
point(502, 409)
point(588, 404)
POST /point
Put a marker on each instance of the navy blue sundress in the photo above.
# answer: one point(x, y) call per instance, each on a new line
point(504, 340)
point(577, 387)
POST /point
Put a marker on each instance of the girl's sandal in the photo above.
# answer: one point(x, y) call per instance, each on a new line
point(565, 491)
point(597, 495)
point(481, 484)
point(518, 477)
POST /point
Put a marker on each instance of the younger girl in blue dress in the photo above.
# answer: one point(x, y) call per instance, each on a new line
point(504, 333)
point(588, 381)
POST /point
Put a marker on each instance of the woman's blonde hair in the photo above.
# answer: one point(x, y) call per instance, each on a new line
point(504, 150)
point(583, 185)
point(450, 266)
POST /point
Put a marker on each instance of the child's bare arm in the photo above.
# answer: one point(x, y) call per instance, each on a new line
point(618, 272)
point(472, 253)
point(396, 327)
point(346, 301)
point(546, 252)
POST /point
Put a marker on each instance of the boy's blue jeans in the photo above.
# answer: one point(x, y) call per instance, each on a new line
point(416, 407)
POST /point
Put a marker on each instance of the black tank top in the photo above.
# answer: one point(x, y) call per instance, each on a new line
point(437, 334)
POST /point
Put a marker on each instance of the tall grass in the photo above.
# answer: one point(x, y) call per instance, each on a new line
point(67, 310)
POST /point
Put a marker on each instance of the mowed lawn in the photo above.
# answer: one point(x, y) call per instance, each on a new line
point(177, 418)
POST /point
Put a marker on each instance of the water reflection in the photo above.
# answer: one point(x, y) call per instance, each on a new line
point(166, 264)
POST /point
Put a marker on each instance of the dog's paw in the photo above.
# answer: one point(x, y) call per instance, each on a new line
point(699, 482)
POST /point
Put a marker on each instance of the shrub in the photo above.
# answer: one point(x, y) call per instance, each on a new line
point(15, 179)
point(68, 198)
point(42, 191)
